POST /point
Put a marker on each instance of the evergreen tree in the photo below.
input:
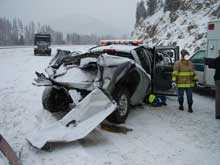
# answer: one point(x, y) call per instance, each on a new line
point(172, 5)
point(14, 34)
point(21, 40)
point(152, 5)
point(141, 12)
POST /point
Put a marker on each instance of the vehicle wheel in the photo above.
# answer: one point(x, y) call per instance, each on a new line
point(56, 100)
point(121, 113)
point(35, 52)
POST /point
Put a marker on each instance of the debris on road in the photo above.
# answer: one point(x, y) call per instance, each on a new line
point(115, 128)
point(8, 152)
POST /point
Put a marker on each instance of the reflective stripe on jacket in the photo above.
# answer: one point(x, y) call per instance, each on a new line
point(183, 74)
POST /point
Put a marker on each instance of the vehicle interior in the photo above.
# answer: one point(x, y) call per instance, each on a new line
point(164, 59)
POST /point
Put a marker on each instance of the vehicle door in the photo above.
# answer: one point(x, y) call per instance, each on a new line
point(212, 52)
point(145, 59)
point(163, 62)
point(198, 61)
point(143, 68)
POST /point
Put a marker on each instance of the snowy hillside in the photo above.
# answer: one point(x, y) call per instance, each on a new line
point(175, 22)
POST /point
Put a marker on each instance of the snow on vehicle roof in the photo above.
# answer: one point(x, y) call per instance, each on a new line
point(122, 48)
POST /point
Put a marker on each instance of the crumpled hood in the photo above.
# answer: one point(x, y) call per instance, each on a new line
point(110, 61)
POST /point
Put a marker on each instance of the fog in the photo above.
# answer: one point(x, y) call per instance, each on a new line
point(117, 15)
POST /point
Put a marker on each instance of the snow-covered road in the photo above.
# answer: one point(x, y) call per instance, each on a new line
point(160, 135)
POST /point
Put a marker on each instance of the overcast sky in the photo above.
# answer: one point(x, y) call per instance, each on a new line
point(120, 14)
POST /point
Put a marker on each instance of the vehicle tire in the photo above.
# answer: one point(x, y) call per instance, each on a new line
point(35, 52)
point(56, 100)
point(121, 113)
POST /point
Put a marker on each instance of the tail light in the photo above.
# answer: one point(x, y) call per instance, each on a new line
point(211, 26)
point(110, 51)
point(121, 42)
point(137, 42)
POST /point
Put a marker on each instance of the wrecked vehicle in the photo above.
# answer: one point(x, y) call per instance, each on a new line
point(108, 79)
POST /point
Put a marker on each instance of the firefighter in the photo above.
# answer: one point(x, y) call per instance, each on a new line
point(184, 78)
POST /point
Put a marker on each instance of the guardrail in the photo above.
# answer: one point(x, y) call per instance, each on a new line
point(15, 47)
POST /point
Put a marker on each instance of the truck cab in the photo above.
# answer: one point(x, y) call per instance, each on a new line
point(42, 43)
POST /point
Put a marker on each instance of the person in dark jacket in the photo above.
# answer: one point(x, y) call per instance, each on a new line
point(215, 64)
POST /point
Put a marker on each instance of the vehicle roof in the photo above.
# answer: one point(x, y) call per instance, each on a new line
point(39, 35)
point(200, 50)
point(214, 21)
point(121, 48)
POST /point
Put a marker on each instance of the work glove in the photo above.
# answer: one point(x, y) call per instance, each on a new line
point(173, 84)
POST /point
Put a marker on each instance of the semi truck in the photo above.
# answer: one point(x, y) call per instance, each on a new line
point(42, 43)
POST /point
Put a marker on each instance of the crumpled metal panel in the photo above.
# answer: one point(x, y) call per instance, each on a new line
point(78, 123)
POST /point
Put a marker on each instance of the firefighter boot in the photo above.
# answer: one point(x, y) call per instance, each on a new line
point(190, 108)
point(181, 107)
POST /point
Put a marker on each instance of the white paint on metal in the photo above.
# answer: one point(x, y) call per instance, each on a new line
point(78, 123)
